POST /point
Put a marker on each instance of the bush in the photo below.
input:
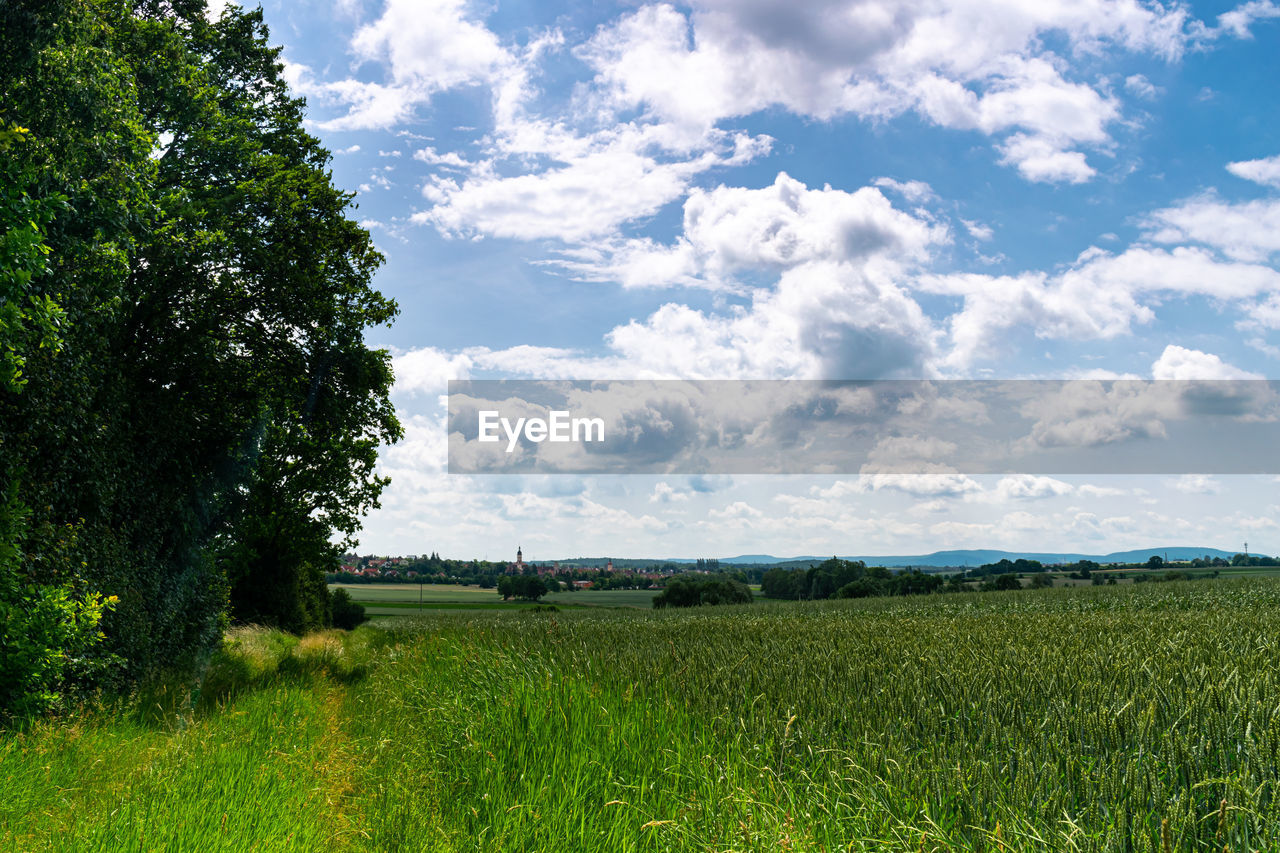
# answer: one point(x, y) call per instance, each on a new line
point(690, 592)
point(46, 630)
point(346, 613)
point(1002, 583)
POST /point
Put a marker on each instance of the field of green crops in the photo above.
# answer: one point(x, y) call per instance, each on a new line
point(403, 599)
point(1143, 717)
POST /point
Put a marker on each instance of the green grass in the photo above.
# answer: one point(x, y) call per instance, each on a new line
point(640, 598)
point(390, 599)
point(263, 748)
point(406, 592)
point(1094, 718)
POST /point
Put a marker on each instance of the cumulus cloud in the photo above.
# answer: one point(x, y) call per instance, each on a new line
point(956, 65)
point(731, 230)
point(428, 370)
point(1101, 295)
point(1027, 486)
point(1245, 231)
point(423, 47)
point(664, 493)
point(1180, 363)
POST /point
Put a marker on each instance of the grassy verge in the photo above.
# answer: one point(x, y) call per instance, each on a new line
point(262, 763)
point(1139, 718)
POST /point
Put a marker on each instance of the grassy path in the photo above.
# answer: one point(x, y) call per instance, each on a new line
point(271, 769)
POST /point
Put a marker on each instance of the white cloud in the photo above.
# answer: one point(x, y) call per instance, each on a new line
point(1239, 20)
point(1027, 486)
point(728, 230)
point(958, 65)
point(1180, 363)
point(664, 493)
point(1100, 296)
point(215, 9)
point(431, 157)
point(1245, 231)
point(611, 178)
point(977, 230)
point(1139, 86)
point(1039, 159)
point(1197, 484)
point(738, 512)
point(1265, 171)
point(917, 485)
point(1089, 490)
point(916, 192)
point(428, 371)
point(426, 47)
point(823, 319)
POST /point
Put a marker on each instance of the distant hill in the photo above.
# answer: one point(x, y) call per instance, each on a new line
point(977, 557)
point(938, 559)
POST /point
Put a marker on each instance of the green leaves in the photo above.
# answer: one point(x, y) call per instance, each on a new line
point(182, 305)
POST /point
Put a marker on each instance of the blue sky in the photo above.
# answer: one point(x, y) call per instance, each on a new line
point(751, 189)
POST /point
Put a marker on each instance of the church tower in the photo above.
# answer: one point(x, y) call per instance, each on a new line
point(519, 557)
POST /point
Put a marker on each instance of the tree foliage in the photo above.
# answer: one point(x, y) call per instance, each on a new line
point(836, 578)
point(694, 592)
point(527, 587)
point(183, 308)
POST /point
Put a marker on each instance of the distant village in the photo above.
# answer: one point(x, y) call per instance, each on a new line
point(571, 574)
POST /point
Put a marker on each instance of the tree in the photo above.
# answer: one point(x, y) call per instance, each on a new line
point(210, 421)
point(695, 592)
point(1002, 583)
point(526, 587)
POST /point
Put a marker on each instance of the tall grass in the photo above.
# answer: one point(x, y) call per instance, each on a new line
point(1069, 719)
point(260, 762)
point(1144, 718)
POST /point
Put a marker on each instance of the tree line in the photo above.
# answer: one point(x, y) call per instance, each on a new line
point(837, 578)
point(189, 415)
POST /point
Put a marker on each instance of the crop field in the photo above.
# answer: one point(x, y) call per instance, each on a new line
point(1124, 718)
point(401, 599)
point(641, 598)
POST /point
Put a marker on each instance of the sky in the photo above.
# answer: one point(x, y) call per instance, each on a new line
point(833, 189)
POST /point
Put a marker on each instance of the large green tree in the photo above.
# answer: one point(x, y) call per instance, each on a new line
point(210, 420)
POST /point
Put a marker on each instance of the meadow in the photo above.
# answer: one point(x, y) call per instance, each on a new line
point(1124, 718)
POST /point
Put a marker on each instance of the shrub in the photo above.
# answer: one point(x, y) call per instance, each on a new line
point(46, 630)
point(689, 592)
point(346, 613)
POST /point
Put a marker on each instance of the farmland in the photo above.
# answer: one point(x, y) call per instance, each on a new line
point(1143, 717)
point(402, 599)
